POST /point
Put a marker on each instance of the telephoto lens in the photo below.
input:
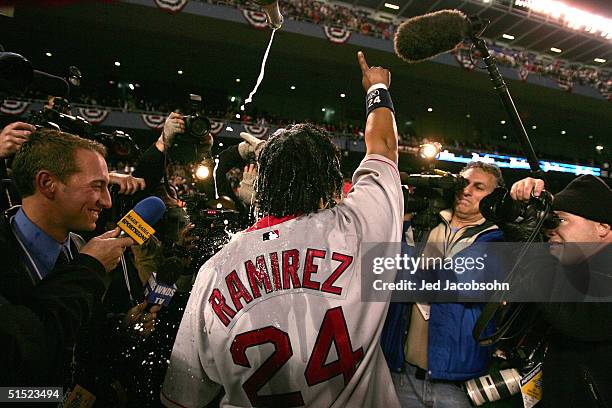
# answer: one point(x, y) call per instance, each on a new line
point(494, 386)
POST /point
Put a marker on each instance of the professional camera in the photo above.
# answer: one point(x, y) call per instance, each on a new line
point(196, 125)
point(119, 145)
point(214, 221)
point(58, 117)
point(429, 193)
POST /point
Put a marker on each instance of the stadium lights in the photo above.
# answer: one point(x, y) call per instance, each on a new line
point(508, 36)
point(131, 86)
point(503, 122)
point(534, 127)
point(504, 137)
point(392, 6)
point(322, 109)
point(429, 109)
point(563, 132)
point(48, 54)
point(180, 72)
point(202, 172)
point(117, 64)
point(293, 87)
point(486, 1)
point(571, 17)
point(237, 79)
point(554, 49)
point(468, 116)
point(600, 60)
point(430, 151)
point(599, 148)
point(343, 95)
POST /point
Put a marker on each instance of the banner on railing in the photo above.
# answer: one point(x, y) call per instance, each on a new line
point(93, 115)
point(337, 35)
point(257, 19)
point(17, 108)
point(171, 6)
point(216, 127)
point(153, 121)
point(256, 130)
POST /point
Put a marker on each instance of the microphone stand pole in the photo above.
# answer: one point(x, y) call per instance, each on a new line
point(502, 90)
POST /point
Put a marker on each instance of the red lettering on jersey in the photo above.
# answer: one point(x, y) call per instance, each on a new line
point(291, 264)
point(345, 262)
point(310, 268)
point(258, 277)
point(275, 271)
point(222, 310)
point(237, 290)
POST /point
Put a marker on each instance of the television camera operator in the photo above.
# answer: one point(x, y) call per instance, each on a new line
point(429, 347)
point(576, 370)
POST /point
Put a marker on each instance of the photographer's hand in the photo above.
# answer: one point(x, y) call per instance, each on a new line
point(127, 184)
point(174, 124)
point(522, 189)
point(13, 136)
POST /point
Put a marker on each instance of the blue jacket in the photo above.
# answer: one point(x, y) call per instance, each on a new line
point(453, 354)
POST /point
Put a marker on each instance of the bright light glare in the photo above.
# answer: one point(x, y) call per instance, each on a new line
point(600, 60)
point(392, 6)
point(570, 17)
point(202, 172)
point(430, 150)
point(554, 49)
point(508, 36)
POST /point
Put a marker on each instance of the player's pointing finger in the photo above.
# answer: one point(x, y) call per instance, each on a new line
point(362, 62)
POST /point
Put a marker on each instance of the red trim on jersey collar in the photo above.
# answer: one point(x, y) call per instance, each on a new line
point(270, 220)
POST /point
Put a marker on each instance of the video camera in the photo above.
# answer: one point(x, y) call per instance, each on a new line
point(119, 145)
point(428, 193)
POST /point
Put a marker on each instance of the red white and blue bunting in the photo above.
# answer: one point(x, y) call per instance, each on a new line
point(171, 6)
point(154, 121)
point(257, 19)
point(216, 127)
point(17, 108)
point(93, 115)
point(337, 35)
point(523, 73)
point(256, 130)
point(463, 56)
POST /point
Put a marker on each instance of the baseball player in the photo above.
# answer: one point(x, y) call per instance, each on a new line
point(276, 318)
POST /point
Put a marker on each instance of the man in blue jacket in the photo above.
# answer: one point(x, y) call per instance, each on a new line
point(429, 347)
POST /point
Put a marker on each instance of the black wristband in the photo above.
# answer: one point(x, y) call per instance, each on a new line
point(378, 98)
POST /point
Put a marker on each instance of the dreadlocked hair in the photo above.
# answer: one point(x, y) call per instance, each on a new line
point(299, 169)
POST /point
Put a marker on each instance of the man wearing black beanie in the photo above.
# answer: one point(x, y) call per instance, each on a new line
point(577, 366)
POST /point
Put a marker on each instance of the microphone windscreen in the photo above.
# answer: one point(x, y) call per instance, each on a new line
point(15, 72)
point(151, 209)
point(423, 37)
point(50, 84)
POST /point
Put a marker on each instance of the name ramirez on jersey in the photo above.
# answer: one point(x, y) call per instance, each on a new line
point(276, 273)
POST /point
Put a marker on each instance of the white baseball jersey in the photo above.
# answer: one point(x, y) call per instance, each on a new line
point(276, 317)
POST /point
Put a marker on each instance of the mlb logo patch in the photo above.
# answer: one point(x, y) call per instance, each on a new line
point(270, 235)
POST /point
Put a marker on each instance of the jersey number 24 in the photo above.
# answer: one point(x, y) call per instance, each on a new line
point(333, 330)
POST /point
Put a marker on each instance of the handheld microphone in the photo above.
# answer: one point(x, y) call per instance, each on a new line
point(161, 286)
point(270, 7)
point(423, 37)
point(138, 223)
point(17, 74)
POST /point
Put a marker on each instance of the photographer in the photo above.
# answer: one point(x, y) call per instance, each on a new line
point(429, 347)
point(49, 270)
point(576, 369)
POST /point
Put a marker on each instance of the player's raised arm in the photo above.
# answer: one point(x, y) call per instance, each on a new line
point(381, 131)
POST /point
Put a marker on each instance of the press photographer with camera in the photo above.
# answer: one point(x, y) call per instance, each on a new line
point(429, 347)
point(576, 370)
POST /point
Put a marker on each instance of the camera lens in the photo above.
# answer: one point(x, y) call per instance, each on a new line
point(199, 126)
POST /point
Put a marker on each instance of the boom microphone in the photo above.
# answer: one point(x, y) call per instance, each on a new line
point(138, 223)
point(17, 75)
point(422, 37)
